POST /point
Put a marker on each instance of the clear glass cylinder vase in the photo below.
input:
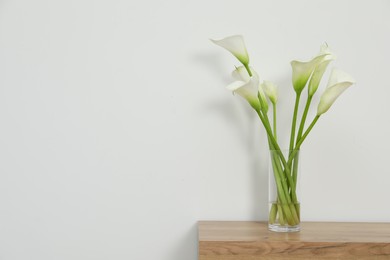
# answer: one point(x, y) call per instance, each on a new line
point(284, 197)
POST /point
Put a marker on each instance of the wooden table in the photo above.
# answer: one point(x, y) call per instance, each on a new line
point(227, 240)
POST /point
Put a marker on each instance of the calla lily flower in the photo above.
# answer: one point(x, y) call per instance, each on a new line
point(270, 90)
point(301, 71)
point(339, 81)
point(320, 69)
point(241, 74)
point(317, 75)
point(263, 99)
point(235, 45)
point(248, 90)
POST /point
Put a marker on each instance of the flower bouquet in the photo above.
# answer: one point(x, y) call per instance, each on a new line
point(284, 212)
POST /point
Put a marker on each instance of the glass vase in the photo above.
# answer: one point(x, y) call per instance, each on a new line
point(284, 206)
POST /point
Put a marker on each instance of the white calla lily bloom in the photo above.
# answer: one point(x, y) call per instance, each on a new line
point(248, 90)
point(320, 69)
point(301, 71)
point(235, 45)
point(241, 74)
point(263, 99)
point(270, 90)
point(339, 81)
point(317, 75)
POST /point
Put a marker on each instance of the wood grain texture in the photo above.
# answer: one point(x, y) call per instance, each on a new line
point(317, 240)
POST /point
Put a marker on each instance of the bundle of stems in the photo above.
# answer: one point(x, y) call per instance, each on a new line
point(285, 210)
point(285, 171)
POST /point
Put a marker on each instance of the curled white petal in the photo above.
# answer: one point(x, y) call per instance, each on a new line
point(235, 44)
point(247, 90)
point(318, 73)
point(339, 81)
point(236, 85)
point(338, 76)
point(324, 49)
point(240, 73)
point(242, 77)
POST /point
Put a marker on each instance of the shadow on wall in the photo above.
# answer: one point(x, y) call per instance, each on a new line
point(212, 62)
point(187, 247)
point(247, 127)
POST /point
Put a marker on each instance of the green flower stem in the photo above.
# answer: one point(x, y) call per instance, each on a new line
point(281, 215)
point(272, 213)
point(278, 150)
point(286, 200)
point(286, 207)
point(292, 137)
point(248, 69)
point(276, 147)
point(299, 135)
point(280, 173)
point(295, 169)
point(278, 166)
point(297, 147)
point(281, 185)
point(294, 121)
point(275, 162)
point(286, 171)
point(274, 120)
point(279, 179)
point(303, 120)
point(293, 154)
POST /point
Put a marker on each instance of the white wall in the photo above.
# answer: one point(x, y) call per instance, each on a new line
point(117, 134)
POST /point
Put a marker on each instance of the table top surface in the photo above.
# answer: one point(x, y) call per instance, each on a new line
point(310, 231)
